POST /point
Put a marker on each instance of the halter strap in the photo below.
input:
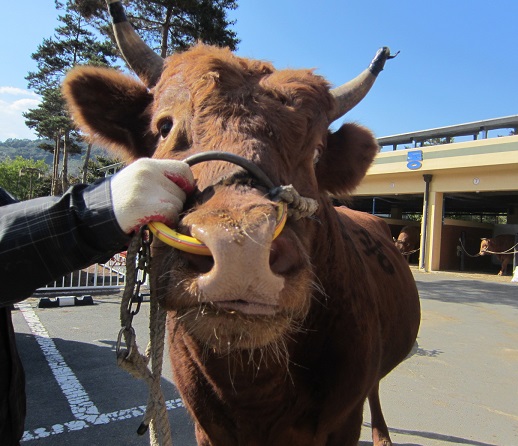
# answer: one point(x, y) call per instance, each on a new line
point(286, 195)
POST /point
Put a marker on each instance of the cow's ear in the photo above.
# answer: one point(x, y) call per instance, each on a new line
point(112, 109)
point(344, 162)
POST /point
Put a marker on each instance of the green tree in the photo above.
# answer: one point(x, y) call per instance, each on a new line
point(96, 165)
point(74, 43)
point(50, 120)
point(432, 142)
point(437, 141)
point(23, 177)
point(95, 169)
point(170, 25)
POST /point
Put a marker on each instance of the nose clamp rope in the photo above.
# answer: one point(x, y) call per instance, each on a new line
point(290, 203)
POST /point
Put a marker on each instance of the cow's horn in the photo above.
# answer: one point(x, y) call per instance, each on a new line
point(348, 95)
point(146, 64)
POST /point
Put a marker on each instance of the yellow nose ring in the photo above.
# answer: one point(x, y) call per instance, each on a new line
point(194, 246)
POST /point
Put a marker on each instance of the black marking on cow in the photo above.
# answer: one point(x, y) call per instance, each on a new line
point(375, 248)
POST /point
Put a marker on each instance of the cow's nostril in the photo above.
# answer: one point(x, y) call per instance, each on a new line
point(284, 258)
point(201, 264)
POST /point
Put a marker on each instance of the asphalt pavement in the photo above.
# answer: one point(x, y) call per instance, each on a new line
point(458, 386)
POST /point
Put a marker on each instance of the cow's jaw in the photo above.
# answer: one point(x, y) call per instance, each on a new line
point(224, 331)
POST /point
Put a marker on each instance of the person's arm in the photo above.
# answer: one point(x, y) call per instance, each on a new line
point(44, 238)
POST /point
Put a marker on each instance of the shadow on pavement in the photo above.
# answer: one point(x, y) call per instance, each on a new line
point(467, 291)
point(426, 435)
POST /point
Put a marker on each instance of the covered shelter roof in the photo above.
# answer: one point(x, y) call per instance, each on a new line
point(477, 129)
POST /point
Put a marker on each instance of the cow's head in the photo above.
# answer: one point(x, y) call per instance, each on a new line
point(485, 246)
point(402, 244)
point(252, 290)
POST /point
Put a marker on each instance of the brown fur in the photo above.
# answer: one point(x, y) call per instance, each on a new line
point(292, 366)
point(500, 243)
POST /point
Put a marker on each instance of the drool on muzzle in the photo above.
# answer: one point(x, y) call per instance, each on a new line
point(194, 246)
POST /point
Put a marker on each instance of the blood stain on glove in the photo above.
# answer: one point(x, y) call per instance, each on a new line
point(181, 182)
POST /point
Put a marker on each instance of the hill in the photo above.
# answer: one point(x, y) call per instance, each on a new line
point(26, 148)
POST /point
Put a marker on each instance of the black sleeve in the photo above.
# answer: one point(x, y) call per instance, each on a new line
point(44, 238)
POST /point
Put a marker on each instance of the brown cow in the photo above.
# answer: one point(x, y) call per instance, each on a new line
point(408, 240)
point(500, 243)
point(272, 342)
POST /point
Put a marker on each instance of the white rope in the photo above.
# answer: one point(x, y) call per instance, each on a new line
point(156, 411)
point(407, 253)
point(466, 252)
point(137, 364)
point(507, 251)
point(298, 207)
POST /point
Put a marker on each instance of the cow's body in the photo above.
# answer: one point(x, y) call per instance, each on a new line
point(498, 244)
point(303, 394)
point(273, 341)
point(408, 241)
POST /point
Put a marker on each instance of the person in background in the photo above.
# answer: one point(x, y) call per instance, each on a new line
point(43, 238)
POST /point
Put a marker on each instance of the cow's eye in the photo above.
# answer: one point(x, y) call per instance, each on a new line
point(165, 126)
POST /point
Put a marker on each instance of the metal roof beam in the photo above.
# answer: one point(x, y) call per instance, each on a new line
point(470, 128)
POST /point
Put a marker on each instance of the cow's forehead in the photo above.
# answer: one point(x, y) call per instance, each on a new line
point(199, 61)
point(172, 90)
point(220, 72)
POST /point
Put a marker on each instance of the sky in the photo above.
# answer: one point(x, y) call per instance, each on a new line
point(458, 58)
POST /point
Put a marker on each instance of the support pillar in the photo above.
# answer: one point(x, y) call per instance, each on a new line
point(424, 223)
point(431, 227)
point(435, 230)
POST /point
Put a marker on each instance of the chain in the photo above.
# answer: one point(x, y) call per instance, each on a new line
point(137, 270)
point(142, 271)
point(137, 364)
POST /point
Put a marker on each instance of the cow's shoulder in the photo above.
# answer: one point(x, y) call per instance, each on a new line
point(501, 242)
point(370, 238)
point(505, 238)
point(356, 220)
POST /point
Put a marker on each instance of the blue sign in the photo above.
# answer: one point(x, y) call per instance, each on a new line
point(414, 159)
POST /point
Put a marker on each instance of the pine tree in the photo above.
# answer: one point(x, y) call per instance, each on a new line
point(73, 43)
point(50, 120)
point(170, 25)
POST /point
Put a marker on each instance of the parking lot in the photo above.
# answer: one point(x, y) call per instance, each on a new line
point(457, 387)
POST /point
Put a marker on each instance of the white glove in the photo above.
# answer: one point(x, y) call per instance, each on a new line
point(150, 190)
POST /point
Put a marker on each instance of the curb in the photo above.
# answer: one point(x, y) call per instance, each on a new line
point(65, 301)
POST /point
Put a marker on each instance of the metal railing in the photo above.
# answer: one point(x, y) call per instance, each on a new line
point(109, 275)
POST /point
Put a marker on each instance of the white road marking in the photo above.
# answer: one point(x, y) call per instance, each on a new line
point(84, 410)
point(80, 404)
point(106, 418)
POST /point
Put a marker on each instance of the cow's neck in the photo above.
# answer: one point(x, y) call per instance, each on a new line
point(331, 248)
